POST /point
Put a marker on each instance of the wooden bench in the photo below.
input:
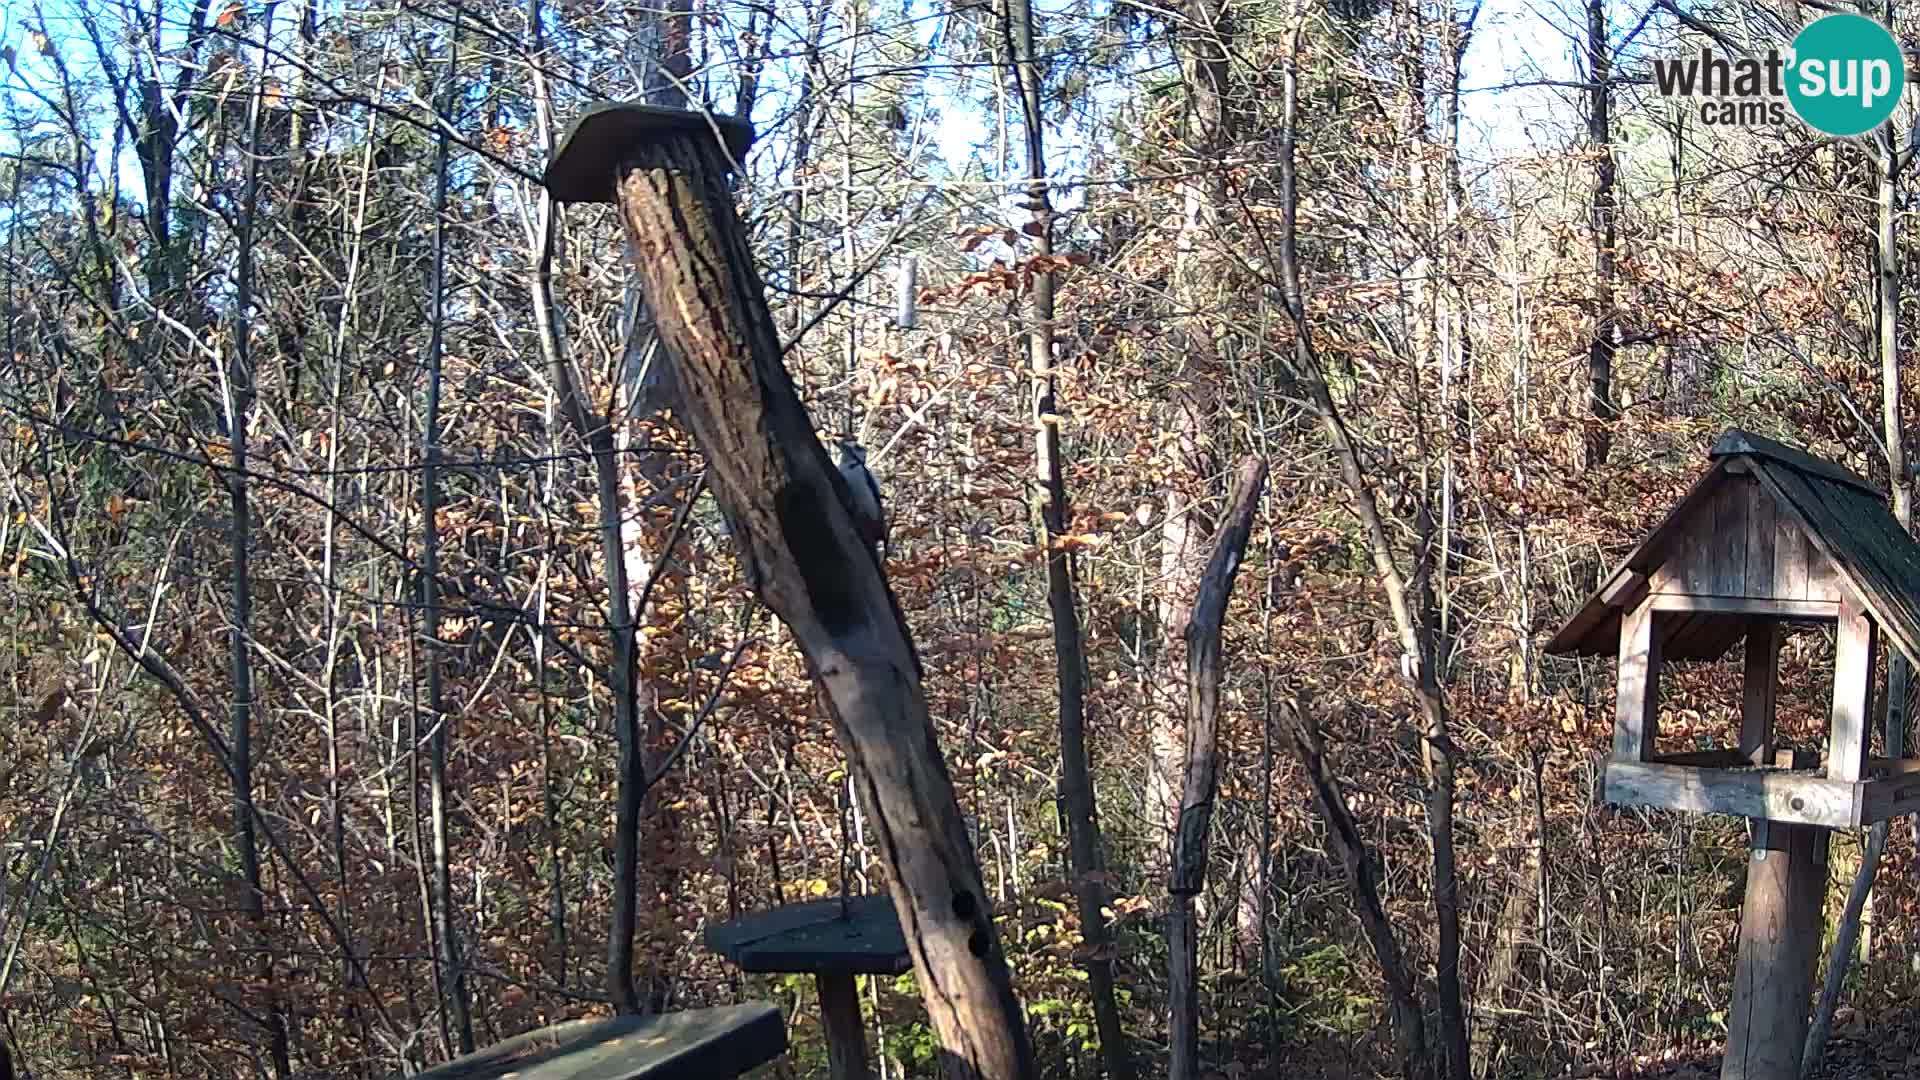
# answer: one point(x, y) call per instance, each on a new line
point(697, 1043)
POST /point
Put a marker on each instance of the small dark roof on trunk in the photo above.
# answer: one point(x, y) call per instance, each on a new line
point(1844, 517)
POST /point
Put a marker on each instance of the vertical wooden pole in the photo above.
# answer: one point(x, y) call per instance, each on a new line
point(1779, 934)
point(1636, 719)
point(846, 1036)
point(1757, 692)
point(1854, 641)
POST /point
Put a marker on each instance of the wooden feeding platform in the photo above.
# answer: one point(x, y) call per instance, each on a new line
point(718, 1042)
point(833, 941)
point(1770, 538)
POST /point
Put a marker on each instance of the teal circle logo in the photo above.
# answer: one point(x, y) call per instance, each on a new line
point(1846, 74)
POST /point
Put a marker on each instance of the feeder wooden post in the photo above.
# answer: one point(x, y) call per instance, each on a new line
point(835, 940)
point(1780, 926)
point(787, 508)
point(1636, 720)
point(1853, 649)
point(846, 1035)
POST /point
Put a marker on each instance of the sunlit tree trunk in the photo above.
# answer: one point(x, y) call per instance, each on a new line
point(1076, 778)
point(1204, 43)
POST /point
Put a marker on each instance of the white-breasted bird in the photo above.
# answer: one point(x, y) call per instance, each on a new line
point(863, 492)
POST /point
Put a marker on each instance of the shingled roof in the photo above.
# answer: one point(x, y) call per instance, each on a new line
point(1844, 520)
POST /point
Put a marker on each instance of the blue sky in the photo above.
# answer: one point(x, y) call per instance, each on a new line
point(1516, 41)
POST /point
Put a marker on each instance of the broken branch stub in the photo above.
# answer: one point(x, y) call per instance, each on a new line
point(787, 507)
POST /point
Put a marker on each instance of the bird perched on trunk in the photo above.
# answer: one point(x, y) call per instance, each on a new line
point(863, 495)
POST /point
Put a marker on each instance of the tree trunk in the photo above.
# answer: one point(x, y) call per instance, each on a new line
point(1188, 874)
point(1846, 935)
point(1076, 779)
point(239, 380)
point(547, 328)
point(1415, 643)
point(459, 1003)
point(1363, 881)
point(786, 506)
point(1601, 409)
point(1205, 42)
point(622, 678)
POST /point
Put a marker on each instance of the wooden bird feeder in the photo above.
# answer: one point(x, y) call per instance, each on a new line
point(832, 942)
point(726, 1041)
point(1769, 539)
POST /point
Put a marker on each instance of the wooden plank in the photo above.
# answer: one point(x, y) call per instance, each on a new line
point(1728, 550)
point(1778, 796)
point(1759, 684)
point(1669, 576)
point(1696, 546)
point(1848, 730)
point(1823, 579)
point(1762, 518)
point(1789, 559)
point(1586, 633)
point(1747, 605)
point(1704, 759)
point(583, 168)
point(1896, 795)
point(1729, 758)
point(864, 938)
point(1779, 933)
point(1625, 590)
point(725, 1041)
point(1636, 717)
point(846, 1034)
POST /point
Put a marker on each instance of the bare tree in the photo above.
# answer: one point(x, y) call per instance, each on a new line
point(446, 932)
point(1076, 779)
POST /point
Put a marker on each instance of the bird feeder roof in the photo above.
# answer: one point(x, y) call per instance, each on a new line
point(1768, 529)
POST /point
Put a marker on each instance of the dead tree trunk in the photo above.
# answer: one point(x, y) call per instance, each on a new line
point(1363, 881)
point(786, 506)
point(1188, 874)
